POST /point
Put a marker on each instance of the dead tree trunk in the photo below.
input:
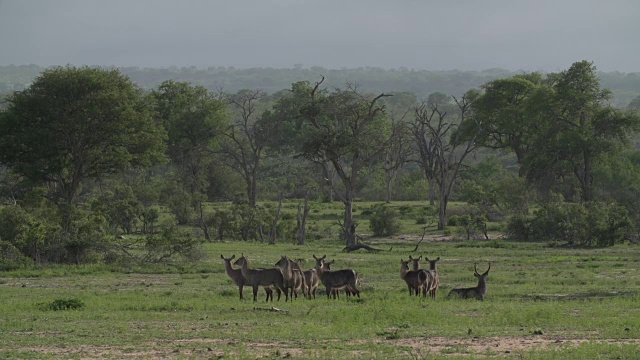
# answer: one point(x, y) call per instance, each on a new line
point(274, 226)
point(303, 212)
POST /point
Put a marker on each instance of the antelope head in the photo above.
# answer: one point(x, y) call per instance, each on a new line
point(483, 275)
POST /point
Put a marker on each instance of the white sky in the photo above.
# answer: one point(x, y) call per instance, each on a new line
point(430, 34)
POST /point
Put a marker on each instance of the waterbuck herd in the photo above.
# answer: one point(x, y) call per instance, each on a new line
point(287, 276)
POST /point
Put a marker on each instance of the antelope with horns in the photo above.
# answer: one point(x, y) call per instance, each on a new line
point(415, 279)
point(261, 277)
point(336, 279)
point(236, 276)
point(477, 292)
point(293, 276)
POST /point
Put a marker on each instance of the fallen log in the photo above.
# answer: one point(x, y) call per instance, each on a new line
point(355, 247)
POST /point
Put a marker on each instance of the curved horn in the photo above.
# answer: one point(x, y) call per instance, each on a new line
point(475, 268)
point(486, 272)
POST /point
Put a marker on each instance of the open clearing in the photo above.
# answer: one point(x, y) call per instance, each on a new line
point(542, 303)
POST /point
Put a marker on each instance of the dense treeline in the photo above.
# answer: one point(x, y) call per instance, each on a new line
point(96, 168)
point(624, 86)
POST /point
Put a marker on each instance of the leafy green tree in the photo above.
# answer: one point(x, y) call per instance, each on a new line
point(72, 124)
point(342, 130)
point(506, 120)
point(584, 126)
point(193, 118)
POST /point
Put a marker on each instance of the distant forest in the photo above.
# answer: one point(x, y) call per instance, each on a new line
point(625, 86)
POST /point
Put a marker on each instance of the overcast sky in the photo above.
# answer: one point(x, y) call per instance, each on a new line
point(527, 35)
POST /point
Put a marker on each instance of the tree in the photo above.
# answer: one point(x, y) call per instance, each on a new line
point(245, 139)
point(193, 118)
point(507, 123)
point(450, 146)
point(425, 142)
point(634, 105)
point(399, 147)
point(343, 129)
point(73, 124)
point(582, 127)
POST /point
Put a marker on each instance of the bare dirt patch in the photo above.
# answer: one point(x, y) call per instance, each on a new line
point(494, 345)
point(223, 348)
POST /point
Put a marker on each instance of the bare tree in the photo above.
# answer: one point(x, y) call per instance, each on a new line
point(398, 148)
point(447, 149)
point(244, 140)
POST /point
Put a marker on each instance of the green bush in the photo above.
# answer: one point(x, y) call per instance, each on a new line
point(591, 224)
point(384, 221)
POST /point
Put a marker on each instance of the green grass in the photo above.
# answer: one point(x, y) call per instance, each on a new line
point(535, 292)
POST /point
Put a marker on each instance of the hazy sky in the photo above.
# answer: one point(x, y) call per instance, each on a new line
point(421, 34)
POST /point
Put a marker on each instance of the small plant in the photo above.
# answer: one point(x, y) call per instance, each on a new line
point(65, 304)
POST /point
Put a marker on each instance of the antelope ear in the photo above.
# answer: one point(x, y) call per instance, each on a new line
point(410, 258)
point(324, 257)
point(233, 257)
point(221, 257)
point(438, 259)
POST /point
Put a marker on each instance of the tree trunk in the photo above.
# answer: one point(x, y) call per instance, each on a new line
point(388, 185)
point(586, 178)
point(432, 191)
point(442, 210)
point(274, 226)
point(303, 212)
point(349, 223)
point(203, 224)
point(251, 191)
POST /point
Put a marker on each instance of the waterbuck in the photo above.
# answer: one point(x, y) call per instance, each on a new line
point(333, 280)
point(261, 277)
point(236, 276)
point(415, 279)
point(311, 281)
point(435, 277)
point(293, 276)
point(477, 292)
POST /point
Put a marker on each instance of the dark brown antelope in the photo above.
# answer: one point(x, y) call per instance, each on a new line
point(261, 277)
point(293, 276)
point(335, 292)
point(416, 279)
point(477, 292)
point(336, 279)
point(236, 276)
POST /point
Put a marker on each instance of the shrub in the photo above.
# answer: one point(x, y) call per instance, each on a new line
point(594, 223)
point(384, 221)
point(65, 304)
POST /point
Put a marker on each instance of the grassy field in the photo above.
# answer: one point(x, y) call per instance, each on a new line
point(542, 303)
